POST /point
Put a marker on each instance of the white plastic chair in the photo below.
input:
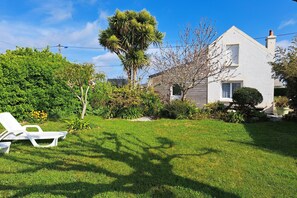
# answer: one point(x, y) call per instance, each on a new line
point(14, 131)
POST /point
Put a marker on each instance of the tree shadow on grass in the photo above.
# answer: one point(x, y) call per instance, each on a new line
point(151, 165)
point(279, 137)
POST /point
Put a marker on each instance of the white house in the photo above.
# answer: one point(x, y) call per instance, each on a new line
point(250, 67)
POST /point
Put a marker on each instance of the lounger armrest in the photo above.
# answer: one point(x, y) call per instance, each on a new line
point(33, 126)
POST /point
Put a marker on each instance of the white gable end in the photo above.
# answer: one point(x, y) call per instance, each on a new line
point(251, 70)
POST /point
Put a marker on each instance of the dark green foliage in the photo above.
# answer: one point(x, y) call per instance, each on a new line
point(151, 103)
point(285, 67)
point(280, 91)
point(214, 107)
point(291, 116)
point(233, 117)
point(258, 116)
point(292, 92)
point(28, 82)
point(178, 109)
point(124, 103)
point(121, 102)
point(247, 97)
point(77, 124)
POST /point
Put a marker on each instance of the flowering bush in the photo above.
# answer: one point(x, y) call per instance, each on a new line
point(38, 116)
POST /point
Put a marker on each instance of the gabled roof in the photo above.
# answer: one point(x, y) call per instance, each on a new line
point(233, 28)
point(256, 43)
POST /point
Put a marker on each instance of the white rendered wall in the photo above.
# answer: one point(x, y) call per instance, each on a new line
point(253, 68)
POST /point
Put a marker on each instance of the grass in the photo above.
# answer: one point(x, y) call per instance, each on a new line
point(163, 158)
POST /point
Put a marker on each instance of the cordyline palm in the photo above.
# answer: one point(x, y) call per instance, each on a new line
point(129, 35)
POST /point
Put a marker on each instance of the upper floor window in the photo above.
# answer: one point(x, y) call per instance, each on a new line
point(232, 52)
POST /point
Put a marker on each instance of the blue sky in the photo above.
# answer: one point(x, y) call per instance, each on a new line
point(41, 23)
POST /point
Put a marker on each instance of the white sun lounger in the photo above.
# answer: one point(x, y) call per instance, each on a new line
point(4, 147)
point(14, 131)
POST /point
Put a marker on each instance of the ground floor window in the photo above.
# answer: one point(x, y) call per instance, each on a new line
point(228, 88)
point(176, 92)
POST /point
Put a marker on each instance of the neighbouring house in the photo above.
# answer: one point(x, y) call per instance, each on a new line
point(118, 82)
point(250, 67)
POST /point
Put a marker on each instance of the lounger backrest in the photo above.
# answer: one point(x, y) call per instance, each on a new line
point(10, 123)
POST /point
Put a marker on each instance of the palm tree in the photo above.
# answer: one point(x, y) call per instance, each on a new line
point(129, 35)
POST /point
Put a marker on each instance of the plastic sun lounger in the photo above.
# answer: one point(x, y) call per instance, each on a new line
point(14, 131)
point(4, 147)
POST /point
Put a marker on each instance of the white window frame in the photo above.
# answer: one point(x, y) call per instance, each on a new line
point(174, 97)
point(228, 55)
point(231, 89)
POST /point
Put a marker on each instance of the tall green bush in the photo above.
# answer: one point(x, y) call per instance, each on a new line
point(121, 102)
point(247, 97)
point(178, 109)
point(27, 83)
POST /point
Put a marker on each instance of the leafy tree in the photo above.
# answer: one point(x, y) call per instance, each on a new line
point(28, 82)
point(129, 35)
point(285, 67)
point(79, 77)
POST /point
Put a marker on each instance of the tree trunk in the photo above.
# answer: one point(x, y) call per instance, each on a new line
point(129, 77)
point(84, 101)
point(84, 109)
point(183, 96)
point(134, 77)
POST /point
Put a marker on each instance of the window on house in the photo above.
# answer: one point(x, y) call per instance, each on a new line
point(228, 88)
point(176, 90)
point(233, 54)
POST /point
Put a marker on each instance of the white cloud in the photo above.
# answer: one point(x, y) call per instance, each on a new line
point(26, 35)
point(109, 63)
point(107, 59)
point(55, 11)
point(283, 43)
point(287, 23)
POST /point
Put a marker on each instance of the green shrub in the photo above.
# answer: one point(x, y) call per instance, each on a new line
point(214, 107)
point(28, 82)
point(121, 102)
point(123, 99)
point(150, 102)
point(178, 109)
point(291, 116)
point(233, 117)
point(201, 114)
point(257, 116)
point(100, 95)
point(247, 96)
point(246, 99)
point(77, 124)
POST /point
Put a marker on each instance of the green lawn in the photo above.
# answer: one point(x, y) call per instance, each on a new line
point(163, 158)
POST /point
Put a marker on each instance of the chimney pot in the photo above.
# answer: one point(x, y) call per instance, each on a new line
point(271, 42)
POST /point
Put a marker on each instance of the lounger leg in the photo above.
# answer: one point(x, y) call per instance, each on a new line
point(7, 150)
point(35, 144)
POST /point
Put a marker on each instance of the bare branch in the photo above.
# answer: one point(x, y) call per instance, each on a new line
point(196, 58)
